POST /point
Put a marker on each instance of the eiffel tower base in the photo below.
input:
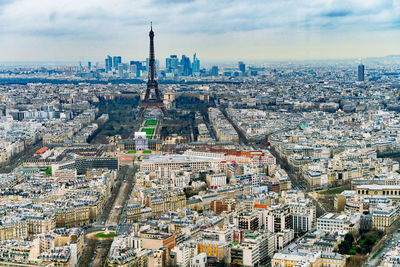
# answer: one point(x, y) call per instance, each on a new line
point(147, 105)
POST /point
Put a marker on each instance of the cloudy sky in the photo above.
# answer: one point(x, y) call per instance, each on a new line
point(218, 30)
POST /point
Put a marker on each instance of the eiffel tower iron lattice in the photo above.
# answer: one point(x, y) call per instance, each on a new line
point(152, 84)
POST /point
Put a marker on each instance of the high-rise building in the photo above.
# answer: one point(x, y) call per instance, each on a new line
point(89, 65)
point(242, 66)
point(133, 69)
point(186, 66)
point(139, 67)
point(108, 63)
point(121, 70)
point(361, 73)
point(195, 64)
point(116, 61)
point(157, 63)
point(172, 63)
point(214, 71)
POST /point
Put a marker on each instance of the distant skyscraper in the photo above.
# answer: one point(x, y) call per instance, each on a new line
point(157, 66)
point(133, 69)
point(187, 66)
point(242, 66)
point(139, 67)
point(214, 71)
point(116, 61)
point(108, 63)
point(195, 64)
point(172, 63)
point(121, 70)
point(361, 73)
point(89, 65)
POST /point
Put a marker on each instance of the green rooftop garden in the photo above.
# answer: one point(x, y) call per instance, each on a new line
point(132, 152)
point(146, 152)
point(252, 236)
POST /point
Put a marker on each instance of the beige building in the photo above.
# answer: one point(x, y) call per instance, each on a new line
point(308, 258)
point(17, 250)
point(13, 228)
point(39, 224)
point(156, 240)
point(391, 191)
point(167, 163)
point(384, 216)
point(166, 201)
point(59, 256)
point(72, 216)
point(130, 259)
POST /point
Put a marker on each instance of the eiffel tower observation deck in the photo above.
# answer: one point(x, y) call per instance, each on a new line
point(152, 84)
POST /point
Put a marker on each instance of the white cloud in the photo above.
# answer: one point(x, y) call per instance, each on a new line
point(120, 26)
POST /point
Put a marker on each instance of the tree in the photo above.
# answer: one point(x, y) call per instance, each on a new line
point(344, 247)
point(347, 244)
point(349, 238)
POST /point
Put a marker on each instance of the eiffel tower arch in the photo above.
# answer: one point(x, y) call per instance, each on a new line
point(152, 84)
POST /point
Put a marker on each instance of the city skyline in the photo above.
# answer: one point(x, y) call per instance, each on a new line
point(196, 133)
point(223, 31)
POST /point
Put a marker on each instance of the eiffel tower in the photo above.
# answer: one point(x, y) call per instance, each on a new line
point(152, 84)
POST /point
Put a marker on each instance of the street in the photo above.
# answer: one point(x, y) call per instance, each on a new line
point(96, 250)
point(19, 158)
point(388, 245)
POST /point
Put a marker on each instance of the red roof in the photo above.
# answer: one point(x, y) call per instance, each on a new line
point(126, 158)
point(42, 150)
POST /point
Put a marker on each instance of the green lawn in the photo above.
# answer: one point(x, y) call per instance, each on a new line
point(334, 191)
point(353, 251)
point(146, 152)
point(149, 136)
point(111, 234)
point(48, 171)
point(148, 131)
point(150, 123)
point(132, 152)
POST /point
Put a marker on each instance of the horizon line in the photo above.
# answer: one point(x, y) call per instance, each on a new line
point(229, 61)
